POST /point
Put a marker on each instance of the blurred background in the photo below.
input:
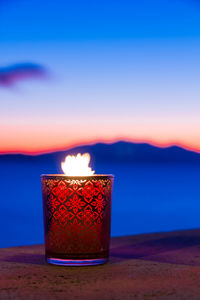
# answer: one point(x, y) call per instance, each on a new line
point(118, 79)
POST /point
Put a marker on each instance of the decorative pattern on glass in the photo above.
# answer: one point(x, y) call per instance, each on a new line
point(77, 213)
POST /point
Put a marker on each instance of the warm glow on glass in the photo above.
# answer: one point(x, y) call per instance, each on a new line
point(77, 165)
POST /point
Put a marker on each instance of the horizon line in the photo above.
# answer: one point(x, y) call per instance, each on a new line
point(102, 141)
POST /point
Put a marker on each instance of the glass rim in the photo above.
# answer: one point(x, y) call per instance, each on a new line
point(59, 176)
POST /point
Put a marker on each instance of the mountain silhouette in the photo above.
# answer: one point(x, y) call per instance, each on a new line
point(117, 152)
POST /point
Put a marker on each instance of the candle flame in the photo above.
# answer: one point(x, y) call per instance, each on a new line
point(77, 165)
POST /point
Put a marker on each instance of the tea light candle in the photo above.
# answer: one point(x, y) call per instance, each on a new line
point(77, 214)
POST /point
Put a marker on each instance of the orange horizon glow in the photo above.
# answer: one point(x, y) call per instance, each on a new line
point(35, 137)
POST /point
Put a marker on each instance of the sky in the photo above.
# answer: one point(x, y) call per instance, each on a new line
point(81, 72)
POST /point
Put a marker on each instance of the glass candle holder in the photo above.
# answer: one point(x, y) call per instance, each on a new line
point(77, 218)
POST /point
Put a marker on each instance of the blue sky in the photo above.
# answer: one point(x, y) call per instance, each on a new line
point(94, 20)
point(117, 70)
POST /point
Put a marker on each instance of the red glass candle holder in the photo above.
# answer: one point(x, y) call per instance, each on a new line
point(77, 218)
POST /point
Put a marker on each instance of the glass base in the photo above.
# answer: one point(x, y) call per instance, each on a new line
point(76, 262)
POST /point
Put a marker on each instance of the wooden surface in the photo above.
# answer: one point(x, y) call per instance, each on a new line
point(151, 266)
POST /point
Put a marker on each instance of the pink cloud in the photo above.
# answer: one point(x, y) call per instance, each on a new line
point(17, 72)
